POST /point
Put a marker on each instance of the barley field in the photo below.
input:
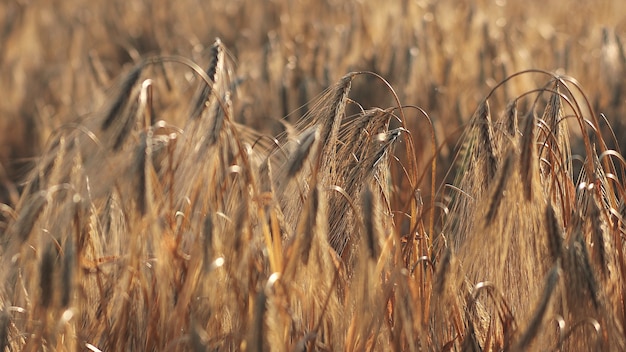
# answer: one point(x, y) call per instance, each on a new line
point(286, 175)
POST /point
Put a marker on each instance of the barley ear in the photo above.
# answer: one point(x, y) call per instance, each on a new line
point(487, 141)
point(5, 323)
point(123, 97)
point(67, 275)
point(553, 229)
point(46, 276)
point(528, 158)
point(369, 222)
point(28, 216)
point(535, 323)
point(498, 194)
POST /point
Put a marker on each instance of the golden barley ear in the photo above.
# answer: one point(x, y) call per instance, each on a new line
point(28, 216)
point(498, 193)
point(216, 64)
point(139, 163)
point(46, 276)
point(370, 223)
point(207, 241)
point(511, 119)
point(307, 143)
point(583, 285)
point(599, 253)
point(487, 144)
point(123, 97)
point(528, 158)
point(536, 322)
point(331, 121)
point(554, 232)
point(443, 271)
point(67, 274)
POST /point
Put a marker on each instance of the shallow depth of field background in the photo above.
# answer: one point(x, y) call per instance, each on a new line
point(58, 59)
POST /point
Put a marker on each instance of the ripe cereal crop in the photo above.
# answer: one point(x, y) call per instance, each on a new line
point(333, 175)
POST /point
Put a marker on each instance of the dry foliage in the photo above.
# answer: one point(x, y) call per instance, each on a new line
point(178, 212)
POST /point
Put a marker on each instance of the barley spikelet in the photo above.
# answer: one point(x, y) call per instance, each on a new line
point(241, 216)
point(139, 164)
point(67, 274)
point(381, 153)
point(216, 63)
point(369, 222)
point(123, 97)
point(358, 134)
point(341, 219)
point(325, 120)
point(498, 194)
point(535, 323)
point(555, 239)
point(486, 138)
point(510, 119)
point(217, 119)
point(597, 236)
point(127, 124)
point(555, 143)
point(207, 241)
point(28, 215)
point(302, 151)
point(528, 158)
point(443, 271)
point(46, 276)
point(308, 225)
point(331, 122)
point(581, 275)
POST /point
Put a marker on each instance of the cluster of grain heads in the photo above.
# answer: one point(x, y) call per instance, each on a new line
point(145, 234)
point(527, 222)
point(194, 232)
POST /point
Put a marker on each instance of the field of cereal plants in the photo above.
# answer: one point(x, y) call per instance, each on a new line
point(291, 175)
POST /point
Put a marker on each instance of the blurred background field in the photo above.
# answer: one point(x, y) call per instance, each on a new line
point(59, 59)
